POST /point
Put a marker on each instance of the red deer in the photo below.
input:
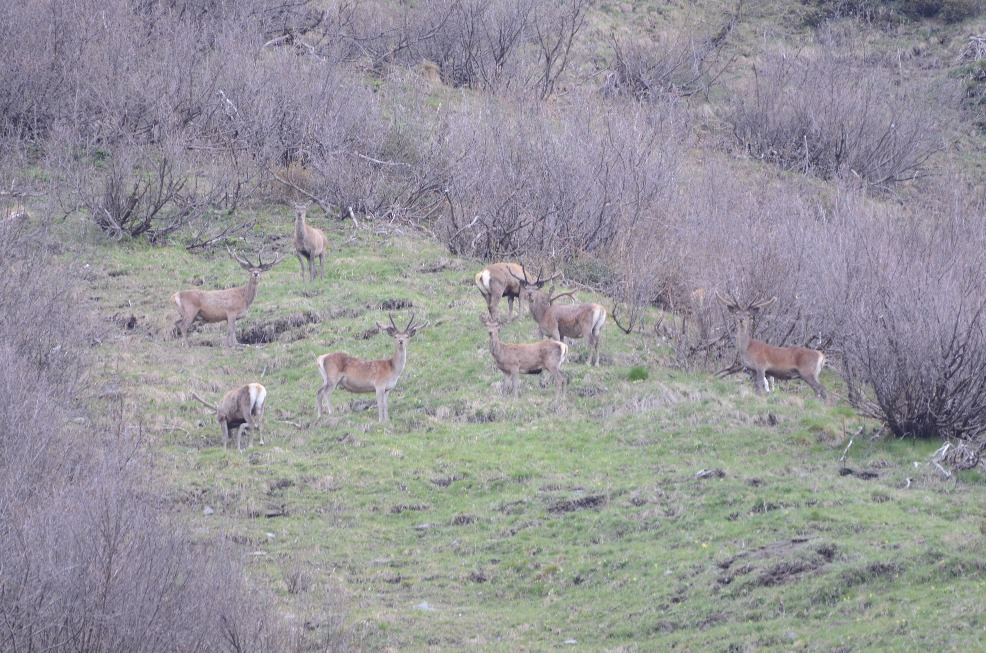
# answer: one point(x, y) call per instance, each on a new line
point(241, 408)
point(529, 358)
point(217, 305)
point(310, 243)
point(502, 280)
point(558, 321)
point(360, 375)
point(767, 360)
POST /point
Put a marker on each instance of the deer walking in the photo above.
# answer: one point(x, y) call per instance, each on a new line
point(241, 408)
point(527, 358)
point(309, 243)
point(558, 321)
point(502, 280)
point(768, 360)
point(360, 375)
point(210, 306)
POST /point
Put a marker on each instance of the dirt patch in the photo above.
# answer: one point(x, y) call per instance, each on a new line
point(398, 509)
point(445, 481)
point(463, 520)
point(272, 330)
point(777, 564)
point(582, 503)
point(396, 304)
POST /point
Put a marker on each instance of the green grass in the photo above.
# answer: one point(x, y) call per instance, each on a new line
point(473, 520)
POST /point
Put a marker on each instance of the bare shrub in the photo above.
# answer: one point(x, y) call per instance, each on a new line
point(91, 560)
point(678, 64)
point(831, 116)
point(527, 182)
point(919, 342)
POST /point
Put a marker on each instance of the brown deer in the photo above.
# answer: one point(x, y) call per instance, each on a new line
point(309, 242)
point(558, 321)
point(768, 360)
point(502, 280)
point(529, 358)
point(360, 375)
point(210, 306)
point(241, 408)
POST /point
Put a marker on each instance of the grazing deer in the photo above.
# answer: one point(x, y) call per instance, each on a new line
point(529, 358)
point(564, 321)
point(309, 242)
point(360, 375)
point(217, 305)
point(502, 280)
point(242, 407)
point(767, 360)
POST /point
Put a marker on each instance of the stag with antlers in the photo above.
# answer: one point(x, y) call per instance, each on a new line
point(527, 358)
point(211, 306)
point(768, 360)
point(558, 321)
point(360, 375)
point(502, 280)
point(241, 408)
point(309, 243)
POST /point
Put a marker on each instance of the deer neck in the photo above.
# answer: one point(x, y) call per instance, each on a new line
point(539, 302)
point(743, 337)
point(250, 291)
point(399, 358)
point(299, 227)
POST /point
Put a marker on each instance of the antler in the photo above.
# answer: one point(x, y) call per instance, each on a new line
point(412, 328)
point(247, 265)
point(552, 298)
point(267, 266)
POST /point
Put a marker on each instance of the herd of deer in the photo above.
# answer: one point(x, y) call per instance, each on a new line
point(243, 407)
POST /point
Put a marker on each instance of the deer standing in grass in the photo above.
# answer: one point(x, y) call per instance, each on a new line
point(527, 358)
point(310, 243)
point(502, 280)
point(241, 408)
point(768, 360)
point(558, 321)
point(210, 306)
point(360, 375)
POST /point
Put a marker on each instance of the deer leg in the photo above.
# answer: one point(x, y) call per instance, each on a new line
point(311, 268)
point(382, 404)
point(818, 388)
point(759, 381)
point(561, 382)
point(321, 264)
point(515, 382)
point(231, 332)
point(259, 421)
point(325, 392)
point(510, 309)
point(301, 259)
point(225, 428)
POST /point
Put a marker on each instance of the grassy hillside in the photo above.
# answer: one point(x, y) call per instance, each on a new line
point(679, 512)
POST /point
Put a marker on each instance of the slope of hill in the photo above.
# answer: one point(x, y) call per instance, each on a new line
point(674, 512)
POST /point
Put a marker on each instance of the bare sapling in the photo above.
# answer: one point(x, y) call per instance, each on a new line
point(241, 408)
point(502, 280)
point(309, 243)
point(768, 360)
point(361, 375)
point(527, 358)
point(211, 306)
point(559, 321)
